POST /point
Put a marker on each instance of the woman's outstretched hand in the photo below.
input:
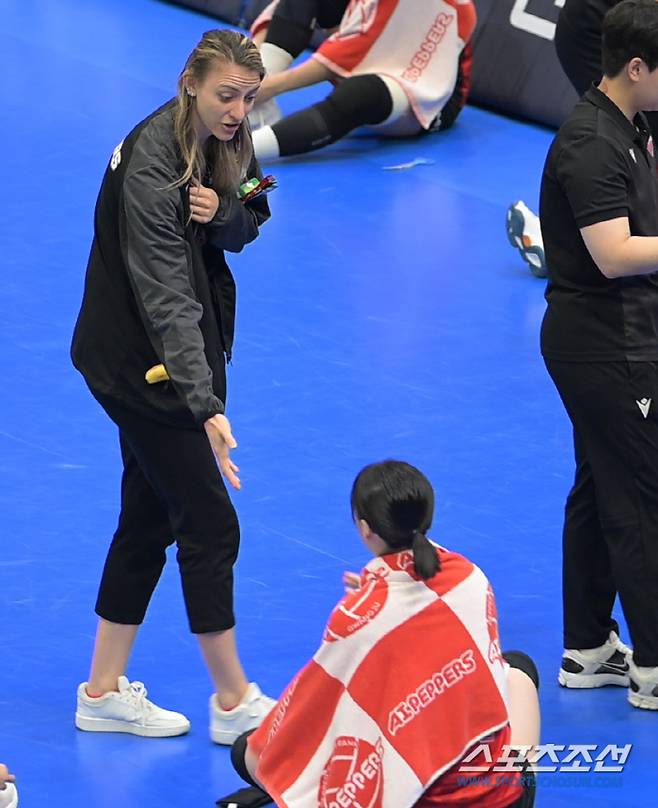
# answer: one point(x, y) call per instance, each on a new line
point(222, 441)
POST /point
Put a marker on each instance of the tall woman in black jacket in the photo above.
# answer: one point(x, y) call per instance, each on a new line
point(159, 295)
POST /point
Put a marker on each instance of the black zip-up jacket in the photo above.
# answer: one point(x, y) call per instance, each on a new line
point(158, 289)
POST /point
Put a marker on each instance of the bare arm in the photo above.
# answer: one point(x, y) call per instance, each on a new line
point(618, 254)
point(309, 72)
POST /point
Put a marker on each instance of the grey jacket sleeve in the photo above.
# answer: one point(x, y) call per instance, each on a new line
point(158, 259)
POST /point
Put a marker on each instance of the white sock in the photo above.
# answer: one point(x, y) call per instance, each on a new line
point(275, 59)
point(400, 102)
point(266, 146)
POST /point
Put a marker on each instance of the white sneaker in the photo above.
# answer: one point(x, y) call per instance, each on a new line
point(9, 796)
point(596, 667)
point(226, 726)
point(266, 114)
point(643, 687)
point(127, 710)
point(524, 233)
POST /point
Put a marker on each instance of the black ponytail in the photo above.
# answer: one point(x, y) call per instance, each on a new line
point(397, 501)
point(426, 561)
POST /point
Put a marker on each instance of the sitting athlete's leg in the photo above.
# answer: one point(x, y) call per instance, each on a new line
point(356, 101)
point(523, 686)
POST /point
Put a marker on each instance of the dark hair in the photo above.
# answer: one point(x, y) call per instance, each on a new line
point(397, 501)
point(630, 30)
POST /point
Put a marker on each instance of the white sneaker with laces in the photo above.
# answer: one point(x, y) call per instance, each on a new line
point(266, 114)
point(524, 233)
point(596, 667)
point(643, 687)
point(9, 796)
point(127, 710)
point(226, 726)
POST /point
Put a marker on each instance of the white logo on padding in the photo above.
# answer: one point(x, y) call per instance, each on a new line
point(539, 26)
point(116, 157)
point(632, 154)
point(644, 404)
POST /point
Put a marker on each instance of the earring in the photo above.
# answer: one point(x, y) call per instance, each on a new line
point(191, 94)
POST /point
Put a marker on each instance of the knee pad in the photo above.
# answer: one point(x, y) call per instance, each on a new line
point(291, 36)
point(238, 751)
point(521, 661)
point(330, 13)
point(357, 101)
point(294, 22)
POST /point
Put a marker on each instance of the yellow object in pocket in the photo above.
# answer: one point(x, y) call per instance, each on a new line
point(158, 373)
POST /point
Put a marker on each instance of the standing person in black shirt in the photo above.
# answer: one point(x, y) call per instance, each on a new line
point(599, 339)
point(159, 306)
point(578, 40)
point(578, 47)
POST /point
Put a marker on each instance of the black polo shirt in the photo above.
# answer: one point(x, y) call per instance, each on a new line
point(599, 167)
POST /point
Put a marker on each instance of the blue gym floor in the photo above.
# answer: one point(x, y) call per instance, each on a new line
point(381, 314)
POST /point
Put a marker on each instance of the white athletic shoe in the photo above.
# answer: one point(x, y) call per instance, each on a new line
point(266, 114)
point(595, 667)
point(226, 726)
point(524, 233)
point(643, 687)
point(9, 796)
point(127, 710)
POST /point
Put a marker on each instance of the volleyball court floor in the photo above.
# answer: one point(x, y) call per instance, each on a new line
point(381, 314)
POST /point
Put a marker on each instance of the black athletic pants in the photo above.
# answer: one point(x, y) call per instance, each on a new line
point(171, 490)
point(610, 539)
